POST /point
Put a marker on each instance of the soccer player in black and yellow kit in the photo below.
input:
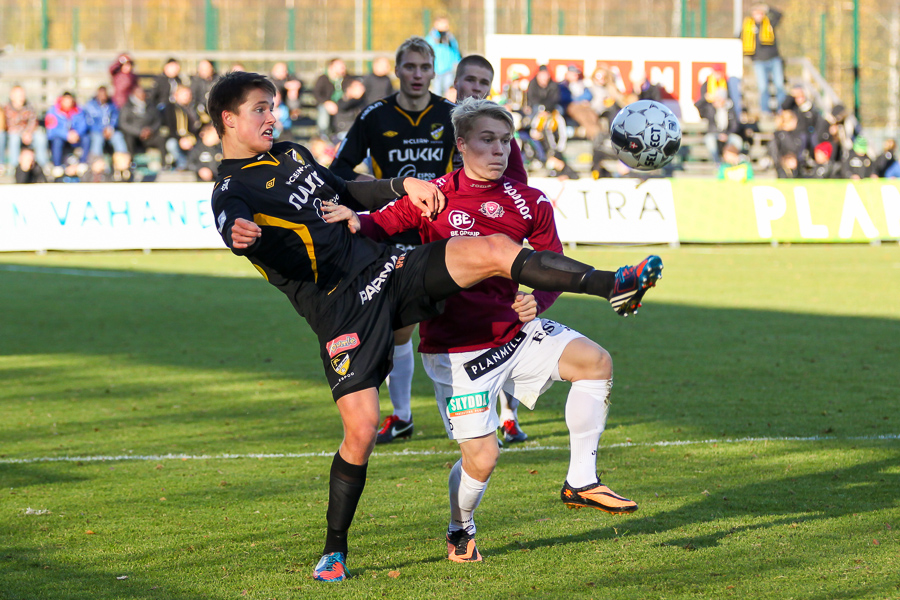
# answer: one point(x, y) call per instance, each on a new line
point(407, 134)
point(270, 203)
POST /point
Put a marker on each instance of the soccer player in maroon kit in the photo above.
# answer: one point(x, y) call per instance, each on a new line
point(489, 337)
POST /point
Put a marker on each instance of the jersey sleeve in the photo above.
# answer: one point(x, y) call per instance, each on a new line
point(397, 217)
point(353, 150)
point(227, 207)
point(544, 237)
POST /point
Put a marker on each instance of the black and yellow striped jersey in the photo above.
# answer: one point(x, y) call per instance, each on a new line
point(282, 191)
point(400, 143)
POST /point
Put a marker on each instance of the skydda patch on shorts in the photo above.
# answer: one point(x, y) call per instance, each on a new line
point(467, 404)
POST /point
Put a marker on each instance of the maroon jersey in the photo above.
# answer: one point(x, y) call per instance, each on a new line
point(481, 316)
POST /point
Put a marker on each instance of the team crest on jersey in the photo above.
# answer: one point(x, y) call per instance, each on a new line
point(270, 184)
point(341, 363)
point(390, 134)
point(342, 343)
point(491, 209)
point(297, 158)
point(437, 131)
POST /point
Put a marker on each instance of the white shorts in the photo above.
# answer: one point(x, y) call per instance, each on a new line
point(466, 384)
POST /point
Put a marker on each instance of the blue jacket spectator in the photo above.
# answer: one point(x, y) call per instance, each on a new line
point(446, 55)
point(67, 129)
point(103, 121)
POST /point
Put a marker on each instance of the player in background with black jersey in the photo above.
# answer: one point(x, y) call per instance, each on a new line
point(474, 75)
point(269, 204)
point(407, 134)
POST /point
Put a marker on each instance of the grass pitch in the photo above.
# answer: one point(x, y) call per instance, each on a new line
point(165, 420)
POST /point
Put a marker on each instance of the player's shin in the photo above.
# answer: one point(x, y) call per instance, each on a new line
point(466, 493)
point(586, 410)
point(345, 488)
point(553, 272)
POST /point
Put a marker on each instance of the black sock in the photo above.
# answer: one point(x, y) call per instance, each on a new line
point(346, 485)
point(553, 272)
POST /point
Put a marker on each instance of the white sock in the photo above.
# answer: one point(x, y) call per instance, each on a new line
point(586, 409)
point(465, 496)
point(400, 380)
point(509, 407)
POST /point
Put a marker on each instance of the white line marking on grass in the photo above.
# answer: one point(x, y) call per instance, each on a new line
point(61, 271)
point(328, 454)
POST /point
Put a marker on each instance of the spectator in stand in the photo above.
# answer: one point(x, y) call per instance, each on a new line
point(21, 129)
point(547, 127)
point(788, 167)
point(823, 167)
point(280, 75)
point(124, 80)
point(840, 128)
point(378, 83)
point(886, 164)
point(292, 100)
point(808, 114)
point(28, 170)
point(180, 126)
point(328, 90)
point(718, 80)
point(351, 104)
point(857, 164)
point(205, 157)
point(643, 88)
point(201, 83)
point(166, 83)
point(734, 167)
point(749, 127)
point(722, 123)
point(140, 123)
point(576, 102)
point(758, 39)
point(102, 120)
point(67, 129)
point(606, 97)
point(446, 55)
point(122, 168)
point(788, 141)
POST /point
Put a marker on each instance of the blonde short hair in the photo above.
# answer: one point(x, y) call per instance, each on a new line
point(471, 109)
point(415, 44)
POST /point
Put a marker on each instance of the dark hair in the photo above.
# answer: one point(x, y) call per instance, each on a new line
point(475, 60)
point(229, 92)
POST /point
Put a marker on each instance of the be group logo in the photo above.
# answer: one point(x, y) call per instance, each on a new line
point(460, 220)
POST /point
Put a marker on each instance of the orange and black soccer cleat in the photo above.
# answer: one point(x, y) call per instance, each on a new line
point(461, 547)
point(596, 495)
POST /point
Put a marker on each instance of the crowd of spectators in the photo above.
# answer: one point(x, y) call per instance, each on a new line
point(141, 124)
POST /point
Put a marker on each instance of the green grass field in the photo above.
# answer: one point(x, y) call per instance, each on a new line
point(754, 419)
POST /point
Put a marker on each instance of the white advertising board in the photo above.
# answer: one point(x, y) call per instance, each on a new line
point(107, 216)
point(612, 211)
point(679, 65)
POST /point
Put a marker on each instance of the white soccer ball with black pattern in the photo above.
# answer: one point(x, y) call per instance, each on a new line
point(646, 135)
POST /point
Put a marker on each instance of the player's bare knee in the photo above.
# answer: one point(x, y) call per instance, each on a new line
point(500, 252)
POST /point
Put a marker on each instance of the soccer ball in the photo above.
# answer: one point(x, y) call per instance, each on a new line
point(646, 135)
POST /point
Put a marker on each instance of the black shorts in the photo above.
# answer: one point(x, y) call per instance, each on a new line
point(356, 327)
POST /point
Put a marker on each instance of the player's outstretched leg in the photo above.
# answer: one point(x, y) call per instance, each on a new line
point(470, 260)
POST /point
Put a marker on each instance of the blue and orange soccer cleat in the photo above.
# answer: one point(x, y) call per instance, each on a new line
point(633, 282)
point(331, 567)
point(461, 547)
point(596, 495)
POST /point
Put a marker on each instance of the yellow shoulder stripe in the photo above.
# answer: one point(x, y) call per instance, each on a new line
point(274, 162)
point(299, 229)
point(410, 119)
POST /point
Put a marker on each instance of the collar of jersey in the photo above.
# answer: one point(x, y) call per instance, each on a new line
point(468, 186)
